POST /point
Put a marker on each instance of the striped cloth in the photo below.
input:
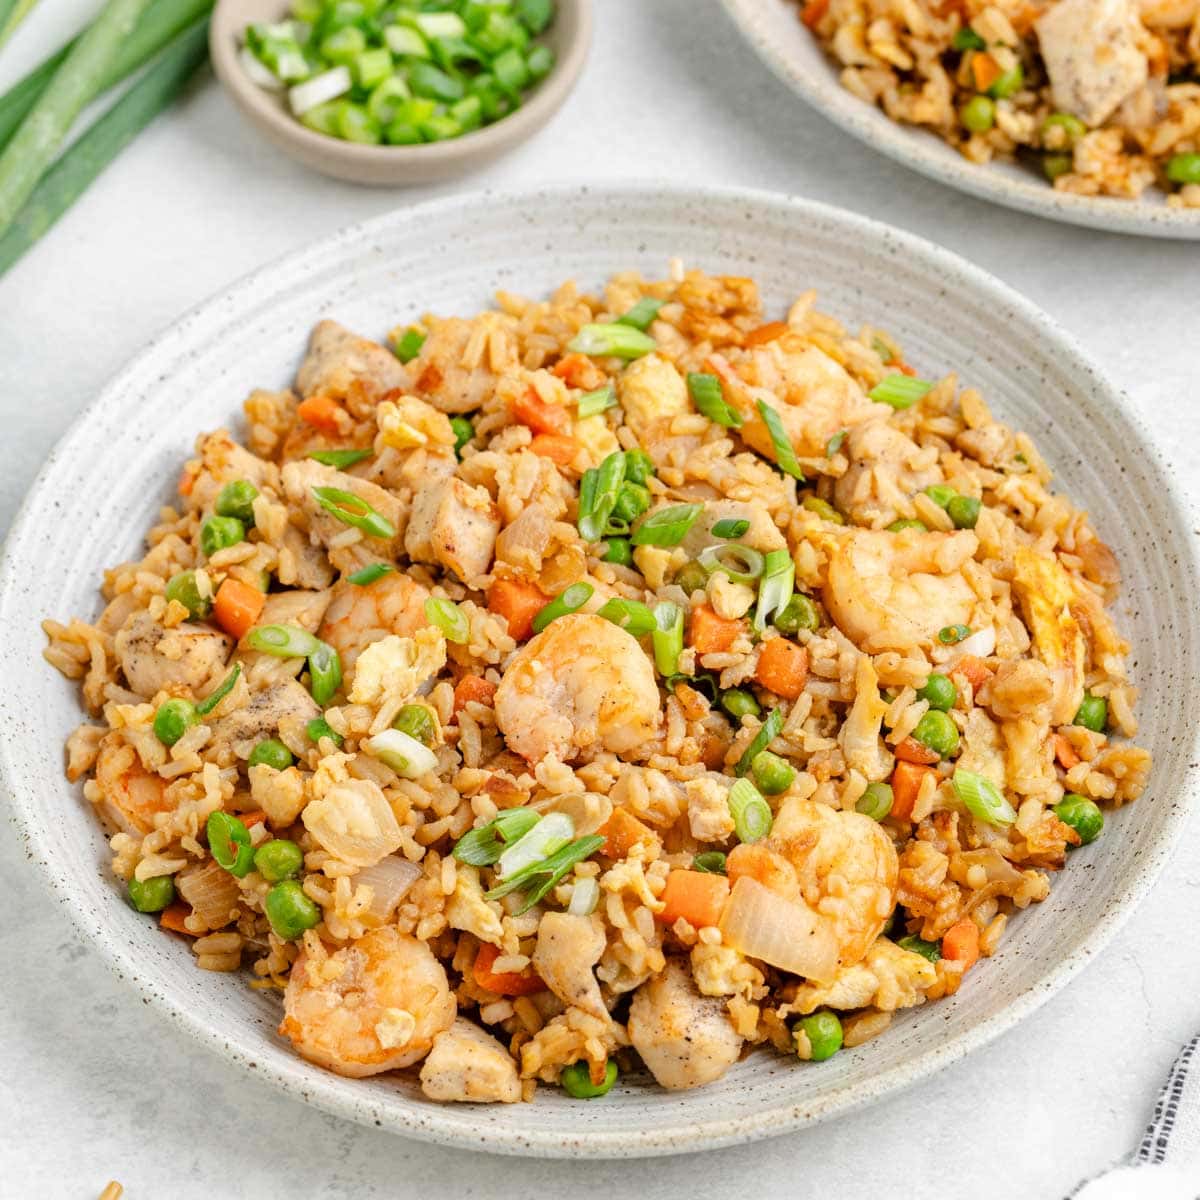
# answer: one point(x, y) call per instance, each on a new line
point(1166, 1165)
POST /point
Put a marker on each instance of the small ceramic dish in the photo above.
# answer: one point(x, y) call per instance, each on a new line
point(394, 166)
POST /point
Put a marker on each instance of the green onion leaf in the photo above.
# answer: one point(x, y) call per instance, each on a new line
point(751, 813)
point(706, 394)
point(711, 862)
point(324, 673)
point(785, 454)
point(449, 618)
point(223, 689)
point(483, 846)
point(642, 313)
point(569, 601)
point(741, 563)
point(667, 637)
point(775, 588)
point(598, 492)
point(983, 799)
point(915, 945)
point(350, 510)
point(339, 459)
point(631, 615)
point(900, 391)
point(767, 733)
point(602, 399)
point(541, 877)
point(283, 641)
point(835, 443)
point(705, 683)
point(612, 341)
point(731, 527)
point(666, 526)
point(370, 574)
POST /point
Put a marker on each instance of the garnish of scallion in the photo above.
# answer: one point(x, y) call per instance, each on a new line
point(775, 587)
point(642, 313)
point(666, 526)
point(602, 399)
point(612, 340)
point(785, 454)
point(705, 392)
point(570, 600)
point(900, 391)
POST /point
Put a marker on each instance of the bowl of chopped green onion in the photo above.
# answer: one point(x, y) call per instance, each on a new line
point(395, 92)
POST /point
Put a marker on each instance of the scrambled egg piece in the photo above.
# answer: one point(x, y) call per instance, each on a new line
point(1046, 594)
point(887, 979)
point(651, 392)
point(395, 666)
point(594, 435)
point(409, 422)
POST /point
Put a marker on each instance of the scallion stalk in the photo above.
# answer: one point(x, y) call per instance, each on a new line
point(612, 340)
point(666, 526)
point(633, 616)
point(767, 733)
point(775, 588)
point(602, 399)
point(449, 618)
point(900, 391)
point(642, 313)
point(982, 798)
point(351, 510)
point(752, 818)
point(741, 563)
point(598, 492)
point(667, 637)
point(785, 453)
point(706, 394)
point(568, 601)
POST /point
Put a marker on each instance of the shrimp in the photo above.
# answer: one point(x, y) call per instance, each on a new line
point(895, 591)
point(131, 797)
point(358, 616)
point(846, 867)
point(375, 1005)
point(580, 685)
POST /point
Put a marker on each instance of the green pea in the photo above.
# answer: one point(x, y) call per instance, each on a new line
point(185, 589)
point(271, 753)
point(576, 1080)
point(937, 731)
point(173, 719)
point(218, 533)
point(940, 493)
point(1071, 126)
point(772, 773)
point(289, 910)
point(978, 115)
point(632, 500)
point(798, 613)
point(617, 550)
point(739, 703)
point(319, 728)
point(278, 859)
point(823, 509)
point(824, 1032)
point(940, 691)
point(1082, 815)
point(417, 721)
point(876, 801)
point(907, 523)
point(1184, 168)
point(463, 430)
point(1011, 82)
point(964, 511)
point(692, 577)
point(639, 466)
point(237, 500)
point(152, 895)
point(1093, 713)
point(916, 945)
point(1054, 165)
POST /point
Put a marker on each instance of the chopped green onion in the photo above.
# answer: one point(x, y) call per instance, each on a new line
point(631, 615)
point(775, 587)
point(483, 846)
point(449, 618)
point(542, 839)
point(409, 345)
point(982, 798)
point(876, 801)
point(667, 637)
point(900, 391)
point(731, 527)
point(617, 550)
point(639, 466)
point(967, 39)
point(220, 692)
point(751, 813)
point(612, 340)
point(403, 753)
point(370, 574)
point(229, 843)
point(440, 24)
point(768, 732)
point(711, 862)
point(350, 510)
point(324, 673)
point(283, 641)
point(546, 874)
point(835, 443)
point(741, 563)
point(706, 394)
point(915, 945)
point(950, 635)
point(535, 15)
point(666, 526)
point(405, 42)
point(642, 313)
point(785, 453)
point(568, 601)
point(602, 399)
point(340, 460)
point(585, 898)
point(598, 492)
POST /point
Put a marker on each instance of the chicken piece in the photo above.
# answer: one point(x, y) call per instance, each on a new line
point(567, 949)
point(438, 371)
point(709, 818)
point(468, 910)
point(259, 717)
point(886, 468)
point(894, 591)
point(651, 392)
point(223, 461)
point(337, 358)
point(354, 822)
point(581, 685)
point(684, 1038)
point(1091, 52)
point(358, 617)
point(301, 564)
point(859, 736)
point(155, 659)
point(469, 1065)
point(1169, 14)
point(887, 979)
point(455, 525)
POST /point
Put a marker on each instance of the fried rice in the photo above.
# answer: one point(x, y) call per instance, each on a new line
point(523, 711)
point(1100, 96)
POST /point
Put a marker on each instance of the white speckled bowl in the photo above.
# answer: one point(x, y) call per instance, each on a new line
point(101, 486)
point(774, 29)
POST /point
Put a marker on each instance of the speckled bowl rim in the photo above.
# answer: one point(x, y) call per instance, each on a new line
point(303, 1082)
point(925, 152)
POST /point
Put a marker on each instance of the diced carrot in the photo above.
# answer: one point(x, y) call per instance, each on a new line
point(187, 481)
point(696, 896)
point(473, 688)
point(504, 983)
point(814, 10)
point(518, 603)
point(622, 831)
point(985, 69)
point(974, 670)
point(1065, 752)
point(782, 667)
point(578, 371)
point(321, 412)
point(906, 784)
point(251, 819)
point(556, 447)
point(173, 916)
point(910, 750)
point(530, 409)
point(710, 634)
point(237, 606)
point(960, 943)
point(904, 368)
point(772, 329)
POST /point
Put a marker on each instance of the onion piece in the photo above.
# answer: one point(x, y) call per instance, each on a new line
point(329, 85)
point(212, 892)
point(981, 643)
point(402, 752)
point(584, 898)
point(787, 934)
point(390, 880)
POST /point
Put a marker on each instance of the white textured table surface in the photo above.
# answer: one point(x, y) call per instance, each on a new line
point(94, 1086)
